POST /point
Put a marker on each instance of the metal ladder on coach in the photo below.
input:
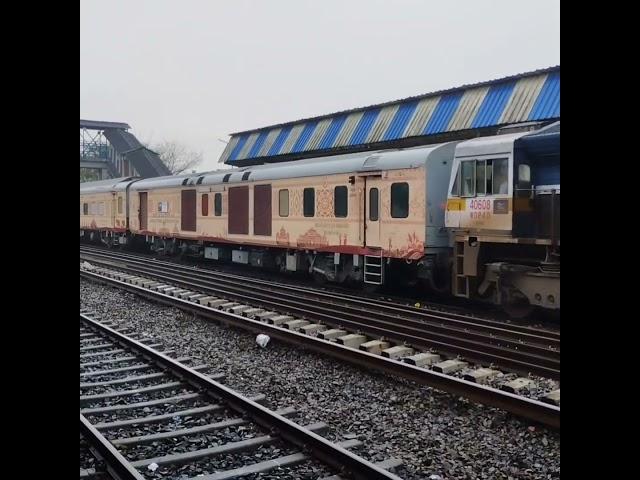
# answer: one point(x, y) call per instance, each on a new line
point(374, 269)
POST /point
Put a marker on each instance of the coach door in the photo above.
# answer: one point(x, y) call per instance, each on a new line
point(188, 211)
point(372, 212)
point(262, 210)
point(143, 212)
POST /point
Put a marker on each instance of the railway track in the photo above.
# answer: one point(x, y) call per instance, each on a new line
point(476, 384)
point(484, 314)
point(516, 349)
point(144, 414)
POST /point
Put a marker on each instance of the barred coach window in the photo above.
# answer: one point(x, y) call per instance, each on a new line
point(309, 202)
point(400, 200)
point(340, 202)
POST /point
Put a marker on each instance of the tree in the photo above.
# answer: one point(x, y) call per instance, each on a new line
point(177, 156)
point(89, 174)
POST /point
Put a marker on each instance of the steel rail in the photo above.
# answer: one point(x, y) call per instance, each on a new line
point(518, 358)
point(530, 409)
point(337, 457)
point(523, 334)
point(117, 466)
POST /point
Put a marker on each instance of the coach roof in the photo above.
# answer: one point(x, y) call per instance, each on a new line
point(104, 186)
point(350, 163)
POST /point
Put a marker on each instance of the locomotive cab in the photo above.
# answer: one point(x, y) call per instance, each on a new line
point(503, 208)
point(536, 207)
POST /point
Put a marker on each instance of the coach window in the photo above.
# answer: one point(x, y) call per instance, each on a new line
point(85, 208)
point(217, 204)
point(283, 203)
point(163, 207)
point(500, 176)
point(309, 202)
point(373, 204)
point(400, 200)
point(340, 202)
point(119, 205)
point(467, 178)
point(205, 204)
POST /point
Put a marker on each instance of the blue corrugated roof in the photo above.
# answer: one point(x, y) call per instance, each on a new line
point(361, 132)
point(332, 132)
point(443, 113)
point(280, 139)
point(304, 137)
point(259, 142)
point(493, 105)
point(532, 96)
point(400, 120)
point(548, 103)
point(238, 147)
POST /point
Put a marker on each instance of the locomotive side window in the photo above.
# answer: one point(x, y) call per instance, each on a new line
point(309, 202)
point(481, 170)
point(481, 177)
point(468, 180)
point(455, 189)
point(340, 202)
point(205, 204)
point(400, 200)
point(283, 203)
point(489, 177)
point(500, 176)
point(374, 204)
point(484, 177)
point(217, 204)
point(120, 205)
point(524, 177)
point(85, 208)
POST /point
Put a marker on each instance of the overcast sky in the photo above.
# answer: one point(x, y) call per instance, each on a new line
point(195, 71)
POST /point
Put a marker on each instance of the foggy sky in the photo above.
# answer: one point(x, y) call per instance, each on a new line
point(195, 71)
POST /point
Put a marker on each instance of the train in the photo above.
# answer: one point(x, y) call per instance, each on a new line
point(476, 218)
